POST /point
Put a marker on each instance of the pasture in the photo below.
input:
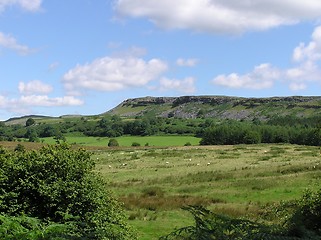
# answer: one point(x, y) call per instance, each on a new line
point(241, 181)
point(126, 141)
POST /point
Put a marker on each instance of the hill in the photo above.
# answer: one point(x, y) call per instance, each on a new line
point(223, 107)
point(191, 107)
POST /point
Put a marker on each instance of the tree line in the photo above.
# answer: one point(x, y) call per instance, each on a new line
point(233, 132)
point(279, 129)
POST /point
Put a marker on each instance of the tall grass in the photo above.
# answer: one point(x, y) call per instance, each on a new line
point(236, 180)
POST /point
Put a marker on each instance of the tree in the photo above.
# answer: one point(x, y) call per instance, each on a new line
point(30, 122)
point(31, 134)
point(113, 143)
point(59, 137)
point(59, 184)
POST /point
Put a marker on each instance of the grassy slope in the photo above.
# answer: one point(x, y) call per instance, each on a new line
point(236, 180)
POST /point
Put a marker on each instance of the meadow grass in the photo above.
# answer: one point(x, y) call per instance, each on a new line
point(236, 180)
point(155, 182)
point(127, 141)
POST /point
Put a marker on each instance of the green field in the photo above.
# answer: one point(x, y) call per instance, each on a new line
point(126, 141)
point(242, 180)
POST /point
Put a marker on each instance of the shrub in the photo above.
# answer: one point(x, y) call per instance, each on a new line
point(307, 216)
point(113, 143)
point(135, 144)
point(59, 184)
point(209, 225)
point(20, 148)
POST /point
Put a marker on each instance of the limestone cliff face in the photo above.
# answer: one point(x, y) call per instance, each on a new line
point(219, 107)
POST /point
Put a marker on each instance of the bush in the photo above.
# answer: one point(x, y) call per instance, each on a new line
point(20, 148)
point(59, 184)
point(113, 143)
point(209, 225)
point(135, 144)
point(28, 228)
point(307, 216)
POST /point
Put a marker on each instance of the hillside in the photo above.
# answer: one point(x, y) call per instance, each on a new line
point(191, 107)
point(219, 107)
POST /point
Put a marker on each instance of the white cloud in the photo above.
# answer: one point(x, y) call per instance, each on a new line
point(28, 5)
point(45, 101)
point(261, 77)
point(297, 86)
point(10, 42)
point(186, 85)
point(25, 104)
point(307, 56)
point(311, 51)
point(220, 16)
point(190, 62)
point(112, 74)
point(33, 87)
point(306, 68)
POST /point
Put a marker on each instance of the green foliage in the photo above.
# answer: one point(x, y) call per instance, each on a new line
point(113, 143)
point(300, 219)
point(306, 218)
point(209, 225)
point(28, 228)
point(135, 144)
point(30, 122)
point(59, 184)
point(233, 132)
point(20, 148)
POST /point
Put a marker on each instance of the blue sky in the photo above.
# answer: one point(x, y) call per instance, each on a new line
point(87, 56)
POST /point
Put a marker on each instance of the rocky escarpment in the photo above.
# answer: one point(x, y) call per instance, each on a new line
point(219, 107)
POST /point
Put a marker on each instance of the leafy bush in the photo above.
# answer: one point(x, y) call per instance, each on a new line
point(135, 144)
point(59, 184)
point(27, 228)
point(113, 143)
point(306, 219)
point(209, 225)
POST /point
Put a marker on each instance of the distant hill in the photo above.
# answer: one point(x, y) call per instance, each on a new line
point(22, 120)
point(219, 107)
point(223, 107)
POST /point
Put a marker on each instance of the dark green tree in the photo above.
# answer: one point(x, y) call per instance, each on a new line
point(30, 122)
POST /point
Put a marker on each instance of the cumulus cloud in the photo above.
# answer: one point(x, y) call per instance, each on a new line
point(34, 87)
point(7, 41)
point(307, 57)
point(28, 5)
point(186, 85)
point(306, 68)
point(190, 62)
point(112, 74)
point(220, 16)
point(25, 103)
point(35, 94)
point(261, 77)
point(45, 101)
